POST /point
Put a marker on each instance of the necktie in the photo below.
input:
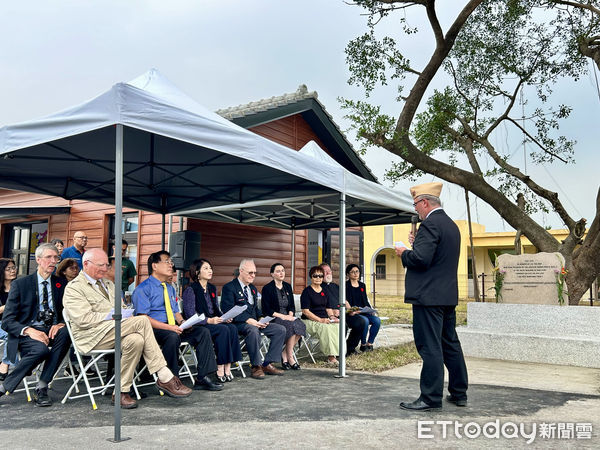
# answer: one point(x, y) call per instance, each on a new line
point(45, 296)
point(101, 289)
point(248, 296)
point(170, 317)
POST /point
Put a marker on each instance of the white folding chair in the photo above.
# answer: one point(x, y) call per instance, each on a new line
point(95, 356)
point(383, 332)
point(310, 345)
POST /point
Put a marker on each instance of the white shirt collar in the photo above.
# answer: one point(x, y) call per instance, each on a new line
point(435, 209)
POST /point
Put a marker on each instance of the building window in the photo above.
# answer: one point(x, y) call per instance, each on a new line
point(380, 267)
point(23, 239)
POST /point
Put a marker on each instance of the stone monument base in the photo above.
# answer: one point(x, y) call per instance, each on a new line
point(565, 335)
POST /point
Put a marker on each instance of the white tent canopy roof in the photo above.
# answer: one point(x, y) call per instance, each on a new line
point(178, 156)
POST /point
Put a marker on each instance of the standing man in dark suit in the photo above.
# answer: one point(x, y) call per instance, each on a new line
point(34, 322)
point(431, 286)
point(239, 292)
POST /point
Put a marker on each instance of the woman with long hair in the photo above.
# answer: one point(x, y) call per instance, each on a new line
point(8, 273)
point(278, 302)
point(356, 294)
point(201, 297)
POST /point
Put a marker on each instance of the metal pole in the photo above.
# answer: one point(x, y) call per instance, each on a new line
point(342, 299)
point(170, 233)
point(118, 271)
point(293, 257)
point(162, 234)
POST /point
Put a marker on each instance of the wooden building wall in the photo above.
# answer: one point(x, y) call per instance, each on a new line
point(223, 244)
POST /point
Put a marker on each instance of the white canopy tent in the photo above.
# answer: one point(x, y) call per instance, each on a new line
point(146, 145)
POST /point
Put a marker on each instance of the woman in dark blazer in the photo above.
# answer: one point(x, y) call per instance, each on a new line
point(356, 294)
point(201, 297)
point(278, 302)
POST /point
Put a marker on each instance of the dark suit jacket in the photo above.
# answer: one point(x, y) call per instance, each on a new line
point(270, 301)
point(431, 278)
point(201, 307)
point(232, 295)
point(332, 290)
point(22, 307)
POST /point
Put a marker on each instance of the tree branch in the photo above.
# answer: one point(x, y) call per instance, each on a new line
point(535, 141)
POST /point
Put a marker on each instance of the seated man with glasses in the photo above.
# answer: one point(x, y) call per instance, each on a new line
point(156, 299)
point(89, 299)
point(241, 292)
point(77, 250)
point(34, 322)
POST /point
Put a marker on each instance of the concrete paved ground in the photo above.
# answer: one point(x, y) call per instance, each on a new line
point(312, 409)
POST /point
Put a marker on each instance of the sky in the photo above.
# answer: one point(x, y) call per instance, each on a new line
point(228, 52)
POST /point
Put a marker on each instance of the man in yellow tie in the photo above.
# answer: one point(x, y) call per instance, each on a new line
point(156, 298)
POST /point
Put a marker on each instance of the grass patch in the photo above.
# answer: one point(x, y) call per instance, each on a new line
point(400, 312)
point(380, 359)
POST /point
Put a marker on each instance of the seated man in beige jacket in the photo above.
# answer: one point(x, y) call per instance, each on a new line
point(87, 300)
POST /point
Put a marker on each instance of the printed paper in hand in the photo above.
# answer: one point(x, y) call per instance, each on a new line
point(192, 321)
point(400, 244)
point(233, 312)
point(266, 319)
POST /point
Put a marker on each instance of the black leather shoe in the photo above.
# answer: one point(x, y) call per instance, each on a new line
point(286, 365)
point(3, 376)
point(296, 366)
point(207, 384)
point(457, 401)
point(419, 405)
point(41, 397)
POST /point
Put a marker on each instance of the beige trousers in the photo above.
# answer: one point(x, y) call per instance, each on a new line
point(137, 339)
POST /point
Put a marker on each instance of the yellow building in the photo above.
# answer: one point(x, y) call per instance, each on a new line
point(384, 269)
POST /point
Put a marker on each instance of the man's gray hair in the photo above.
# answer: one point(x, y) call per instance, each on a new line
point(244, 261)
point(431, 198)
point(89, 254)
point(45, 246)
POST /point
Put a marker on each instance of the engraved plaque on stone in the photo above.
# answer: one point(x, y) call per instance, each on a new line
point(530, 278)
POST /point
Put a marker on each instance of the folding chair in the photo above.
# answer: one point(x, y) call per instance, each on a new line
point(310, 345)
point(383, 332)
point(95, 356)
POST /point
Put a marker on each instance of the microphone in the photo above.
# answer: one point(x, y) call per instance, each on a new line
point(413, 226)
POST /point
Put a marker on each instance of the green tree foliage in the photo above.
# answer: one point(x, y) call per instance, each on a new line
point(490, 54)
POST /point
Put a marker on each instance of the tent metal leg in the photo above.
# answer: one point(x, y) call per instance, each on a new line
point(342, 299)
point(118, 264)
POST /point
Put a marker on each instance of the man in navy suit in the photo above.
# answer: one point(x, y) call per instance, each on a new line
point(240, 291)
point(34, 322)
point(431, 286)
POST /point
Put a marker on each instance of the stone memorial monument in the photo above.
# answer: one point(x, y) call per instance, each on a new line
point(531, 278)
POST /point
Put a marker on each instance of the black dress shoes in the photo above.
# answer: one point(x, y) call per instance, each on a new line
point(296, 366)
point(286, 365)
point(419, 405)
point(457, 401)
point(3, 376)
point(41, 397)
point(207, 384)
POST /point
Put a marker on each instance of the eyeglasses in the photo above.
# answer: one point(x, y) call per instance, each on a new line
point(318, 275)
point(51, 257)
point(168, 261)
point(417, 202)
point(250, 273)
point(354, 271)
point(105, 265)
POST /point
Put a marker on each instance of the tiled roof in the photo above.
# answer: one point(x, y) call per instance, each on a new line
point(268, 103)
point(259, 106)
